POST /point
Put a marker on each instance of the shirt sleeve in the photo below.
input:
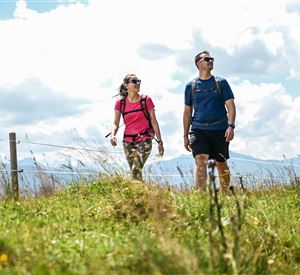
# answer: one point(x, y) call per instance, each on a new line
point(227, 92)
point(149, 103)
point(118, 105)
point(188, 94)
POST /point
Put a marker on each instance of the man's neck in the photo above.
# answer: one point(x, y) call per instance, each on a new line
point(204, 75)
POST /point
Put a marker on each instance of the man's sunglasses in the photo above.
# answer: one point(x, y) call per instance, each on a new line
point(207, 59)
point(135, 81)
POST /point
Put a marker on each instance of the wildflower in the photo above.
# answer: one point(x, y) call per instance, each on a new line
point(255, 221)
point(3, 258)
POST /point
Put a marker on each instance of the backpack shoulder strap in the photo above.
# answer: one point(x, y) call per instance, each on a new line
point(143, 102)
point(194, 86)
point(219, 86)
point(145, 108)
point(193, 89)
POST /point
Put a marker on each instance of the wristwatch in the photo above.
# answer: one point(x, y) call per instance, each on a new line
point(232, 125)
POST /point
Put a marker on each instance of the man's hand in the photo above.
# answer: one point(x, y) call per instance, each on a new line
point(187, 144)
point(229, 134)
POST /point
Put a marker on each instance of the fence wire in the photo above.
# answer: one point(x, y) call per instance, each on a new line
point(111, 153)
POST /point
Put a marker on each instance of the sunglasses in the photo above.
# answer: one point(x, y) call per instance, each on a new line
point(207, 59)
point(135, 81)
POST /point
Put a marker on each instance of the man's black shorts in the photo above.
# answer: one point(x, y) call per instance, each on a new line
point(210, 142)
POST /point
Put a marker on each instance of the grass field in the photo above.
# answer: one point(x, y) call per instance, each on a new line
point(118, 226)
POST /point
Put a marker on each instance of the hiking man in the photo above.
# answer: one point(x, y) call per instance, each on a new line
point(140, 122)
point(212, 122)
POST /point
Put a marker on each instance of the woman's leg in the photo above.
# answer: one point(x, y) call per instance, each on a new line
point(129, 151)
point(143, 150)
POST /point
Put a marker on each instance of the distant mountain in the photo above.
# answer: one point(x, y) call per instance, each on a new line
point(244, 168)
point(174, 171)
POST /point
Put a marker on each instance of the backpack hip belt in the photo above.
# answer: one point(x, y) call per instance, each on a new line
point(210, 123)
point(135, 136)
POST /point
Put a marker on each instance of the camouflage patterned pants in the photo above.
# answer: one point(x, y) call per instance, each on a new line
point(137, 153)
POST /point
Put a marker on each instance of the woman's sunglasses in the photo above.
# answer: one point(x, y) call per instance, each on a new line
point(135, 81)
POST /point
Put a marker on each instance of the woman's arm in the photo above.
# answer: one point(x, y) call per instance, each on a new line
point(115, 128)
point(157, 132)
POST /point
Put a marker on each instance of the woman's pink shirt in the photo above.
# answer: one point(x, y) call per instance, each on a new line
point(135, 122)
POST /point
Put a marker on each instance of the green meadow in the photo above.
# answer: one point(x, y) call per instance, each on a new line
point(117, 226)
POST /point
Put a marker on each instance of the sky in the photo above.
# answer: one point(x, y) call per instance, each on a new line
point(61, 63)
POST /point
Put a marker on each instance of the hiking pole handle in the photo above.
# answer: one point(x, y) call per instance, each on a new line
point(108, 135)
point(111, 132)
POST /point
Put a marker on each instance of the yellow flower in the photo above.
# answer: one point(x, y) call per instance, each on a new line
point(3, 258)
point(254, 221)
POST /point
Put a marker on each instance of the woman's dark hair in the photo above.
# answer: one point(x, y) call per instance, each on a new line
point(122, 89)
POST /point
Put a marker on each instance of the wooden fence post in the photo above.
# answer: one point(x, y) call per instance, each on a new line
point(13, 166)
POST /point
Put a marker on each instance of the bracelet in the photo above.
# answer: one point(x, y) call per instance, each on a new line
point(160, 142)
point(185, 135)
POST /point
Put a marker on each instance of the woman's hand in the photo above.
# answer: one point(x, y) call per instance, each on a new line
point(161, 149)
point(113, 140)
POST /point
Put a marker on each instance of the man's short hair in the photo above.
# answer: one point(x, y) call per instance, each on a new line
point(198, 56)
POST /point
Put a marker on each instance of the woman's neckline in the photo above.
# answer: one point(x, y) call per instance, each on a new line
point(135, 100)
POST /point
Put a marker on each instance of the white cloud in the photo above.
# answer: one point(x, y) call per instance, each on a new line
point(84, 51)
point(268, 120)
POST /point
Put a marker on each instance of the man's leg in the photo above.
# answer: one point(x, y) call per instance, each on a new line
point(201, 171)
point(224, 175)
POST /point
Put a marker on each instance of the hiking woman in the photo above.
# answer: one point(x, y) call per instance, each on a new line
point(140, 122)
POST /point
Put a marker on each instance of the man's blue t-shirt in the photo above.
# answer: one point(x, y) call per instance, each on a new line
point(209, 105)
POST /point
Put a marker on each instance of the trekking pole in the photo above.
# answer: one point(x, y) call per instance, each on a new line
point(156, 139)
point(110, 132)
point(108, 135)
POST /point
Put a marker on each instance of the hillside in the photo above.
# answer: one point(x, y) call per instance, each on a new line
point(116, 226)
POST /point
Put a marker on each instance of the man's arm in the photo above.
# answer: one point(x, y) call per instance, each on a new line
point(231, 114)
point(231, 111)
point(187, 114)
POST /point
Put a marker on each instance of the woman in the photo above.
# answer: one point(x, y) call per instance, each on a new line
point(140, 122)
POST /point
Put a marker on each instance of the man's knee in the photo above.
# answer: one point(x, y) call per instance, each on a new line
point(222, 165)
point(201, 159)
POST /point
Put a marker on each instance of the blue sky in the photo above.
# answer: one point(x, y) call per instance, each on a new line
point(62, 61)
point(7, 7)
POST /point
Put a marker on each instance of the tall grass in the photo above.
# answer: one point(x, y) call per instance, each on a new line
point(117, 226)
point(103, 223)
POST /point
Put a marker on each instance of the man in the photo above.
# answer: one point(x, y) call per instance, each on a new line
point(212, 122)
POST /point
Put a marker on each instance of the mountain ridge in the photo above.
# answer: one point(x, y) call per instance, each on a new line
point(174, 171)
